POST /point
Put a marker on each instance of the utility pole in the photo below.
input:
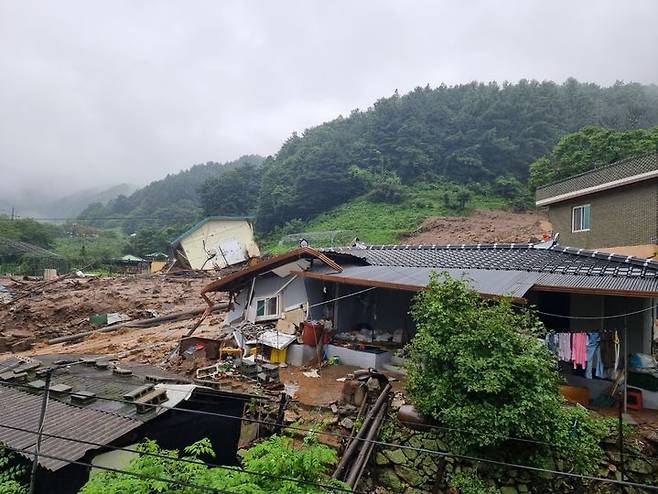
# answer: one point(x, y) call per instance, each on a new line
point(12, 213)
point(42, 419)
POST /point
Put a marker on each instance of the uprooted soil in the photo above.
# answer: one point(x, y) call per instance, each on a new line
point(483, 227)
point(64, 307)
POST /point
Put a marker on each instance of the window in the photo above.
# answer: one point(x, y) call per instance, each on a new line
point(267, 308)
point(580, 220)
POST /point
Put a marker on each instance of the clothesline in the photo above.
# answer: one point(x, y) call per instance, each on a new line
point(594, 318)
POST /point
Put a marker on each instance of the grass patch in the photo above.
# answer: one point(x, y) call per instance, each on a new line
point(384, 223)
point(106, 245)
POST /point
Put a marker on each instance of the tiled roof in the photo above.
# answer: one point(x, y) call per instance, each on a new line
point(554, 259)
point(638, 166)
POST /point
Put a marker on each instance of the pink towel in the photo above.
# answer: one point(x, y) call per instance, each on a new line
point(579, 350)
point(564, 343)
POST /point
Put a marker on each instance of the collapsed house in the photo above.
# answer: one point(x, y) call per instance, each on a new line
point(352, 304)
point(100, 405)
point(216, 242)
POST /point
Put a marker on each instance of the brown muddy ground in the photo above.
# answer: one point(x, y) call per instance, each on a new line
point(63, 308)
point(485, 227)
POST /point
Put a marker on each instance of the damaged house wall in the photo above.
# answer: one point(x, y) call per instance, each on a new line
point(217, 242)
point(290, 290)
point(381, 309)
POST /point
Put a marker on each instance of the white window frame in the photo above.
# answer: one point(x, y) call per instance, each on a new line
point(267, 316)
point(582, 208)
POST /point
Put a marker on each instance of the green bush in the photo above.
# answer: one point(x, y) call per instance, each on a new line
point(478, 367)
point(13, 473)
point(275, 457)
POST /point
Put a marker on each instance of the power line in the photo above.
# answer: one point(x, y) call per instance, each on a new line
point(183, 460)
point(125, 472)
point(271, 423)
point(431, 426)
point(588, 318)
point(512, 438)
point(399, 446)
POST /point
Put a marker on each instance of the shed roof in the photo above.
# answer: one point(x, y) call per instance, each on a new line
point(486, 282)
point(21, 410)
point(207, 220)
point(233, 280)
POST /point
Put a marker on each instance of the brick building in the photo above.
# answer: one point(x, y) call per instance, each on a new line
point(613, 208)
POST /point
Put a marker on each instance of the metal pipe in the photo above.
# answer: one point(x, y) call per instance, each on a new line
point(366, 424)
point(364, 455)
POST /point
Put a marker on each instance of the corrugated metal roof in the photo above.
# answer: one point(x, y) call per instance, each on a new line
point(487, 282)
point(20, 409)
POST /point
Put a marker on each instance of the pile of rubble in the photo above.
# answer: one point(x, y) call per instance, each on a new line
point(36, 313)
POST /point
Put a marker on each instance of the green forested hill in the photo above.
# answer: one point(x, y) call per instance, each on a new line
point(174, 200)
point(470, 133)
point(472, 140)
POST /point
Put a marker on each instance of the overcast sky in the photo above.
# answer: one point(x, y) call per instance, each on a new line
point(103, 92)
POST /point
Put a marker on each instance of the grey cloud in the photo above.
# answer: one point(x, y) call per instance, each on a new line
point(126, 91)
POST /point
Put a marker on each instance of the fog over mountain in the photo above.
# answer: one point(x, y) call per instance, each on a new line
point(98, 94)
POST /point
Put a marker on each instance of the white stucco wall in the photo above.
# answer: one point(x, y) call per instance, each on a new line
point(214, 233)
point(292, 296)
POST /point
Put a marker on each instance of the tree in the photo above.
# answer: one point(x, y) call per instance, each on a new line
point(591, 147)
point(274, 457)
point(478, 367)
point(232, 193)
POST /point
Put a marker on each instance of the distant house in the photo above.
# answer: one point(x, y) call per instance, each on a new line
point(611, 208)
point(130, 264)
point(215, 243)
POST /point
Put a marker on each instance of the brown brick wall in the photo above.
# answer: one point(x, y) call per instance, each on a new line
point(624, 216)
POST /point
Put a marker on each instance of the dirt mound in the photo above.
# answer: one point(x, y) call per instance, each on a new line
point(485, 227)
point(64, 307)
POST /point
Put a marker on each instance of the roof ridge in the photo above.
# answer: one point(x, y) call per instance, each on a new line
point(494, 246)
point(608, 256)
point(598, 168)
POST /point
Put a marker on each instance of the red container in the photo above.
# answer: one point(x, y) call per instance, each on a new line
point(312, 332)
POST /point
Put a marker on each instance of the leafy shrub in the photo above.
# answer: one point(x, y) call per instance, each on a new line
point(468, 482)
point(478, 367)
point(13, 473)
point(274, 457)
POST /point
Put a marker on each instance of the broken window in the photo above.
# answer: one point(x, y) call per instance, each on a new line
point(267, 308)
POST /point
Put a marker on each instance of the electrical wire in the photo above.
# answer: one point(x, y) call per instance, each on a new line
point(590, 318)
point(182, 460)
point(275, 424)
point(511, 438)
point(430, 426)
point(125, 472)
point(402, 446)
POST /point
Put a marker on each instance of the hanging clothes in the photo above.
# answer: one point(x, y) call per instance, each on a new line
point(594, 361)
point(607, 346)
point(579, 350)
point(564, 342)
point(552, 342)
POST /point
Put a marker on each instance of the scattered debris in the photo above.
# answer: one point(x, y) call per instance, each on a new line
point(311, 373)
